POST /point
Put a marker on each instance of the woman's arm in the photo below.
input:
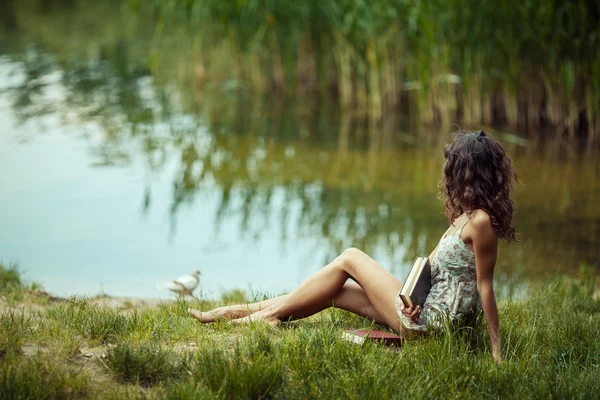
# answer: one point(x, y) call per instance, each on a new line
point(488, 302)
point(485, 245)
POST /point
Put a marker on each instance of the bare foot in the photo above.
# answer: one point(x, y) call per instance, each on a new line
point(200, 316)
point(229, 312)
point(260, 316)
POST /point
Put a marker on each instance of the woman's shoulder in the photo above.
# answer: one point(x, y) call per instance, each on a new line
point(481, 225)
point(480, 217)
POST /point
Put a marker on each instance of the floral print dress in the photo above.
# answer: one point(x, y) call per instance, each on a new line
point(453, 295)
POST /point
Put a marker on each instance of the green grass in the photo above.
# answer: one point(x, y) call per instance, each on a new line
point(14, 327)
point(551, 345)
point(145, 364)
point(14, 290)
point(90, 322)
point(39, 378)
point(9, 278)
point(250, 368)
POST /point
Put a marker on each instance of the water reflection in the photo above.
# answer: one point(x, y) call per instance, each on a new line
point(8, 21)
point(284, 171)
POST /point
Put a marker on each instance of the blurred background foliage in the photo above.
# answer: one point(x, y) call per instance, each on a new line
point(528, 64)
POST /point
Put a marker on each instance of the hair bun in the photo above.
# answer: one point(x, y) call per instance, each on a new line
point(481, 133)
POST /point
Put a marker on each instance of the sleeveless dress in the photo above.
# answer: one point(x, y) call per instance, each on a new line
point(453, 296)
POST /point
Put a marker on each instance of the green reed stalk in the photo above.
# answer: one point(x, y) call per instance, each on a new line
point(531, 65)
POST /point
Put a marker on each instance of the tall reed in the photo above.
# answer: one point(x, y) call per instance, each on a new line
point(530, 65)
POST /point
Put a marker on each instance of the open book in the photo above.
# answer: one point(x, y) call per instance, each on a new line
point(359, 336)
point(417, 284)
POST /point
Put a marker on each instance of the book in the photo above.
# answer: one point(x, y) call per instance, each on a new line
point(417, 284)
point(359, 336)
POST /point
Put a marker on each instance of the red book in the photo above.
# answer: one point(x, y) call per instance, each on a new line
point(359, 336)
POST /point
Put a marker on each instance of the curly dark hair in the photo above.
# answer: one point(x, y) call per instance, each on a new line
point(478, 175)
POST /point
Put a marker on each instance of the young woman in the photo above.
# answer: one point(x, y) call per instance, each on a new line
point(476, 191)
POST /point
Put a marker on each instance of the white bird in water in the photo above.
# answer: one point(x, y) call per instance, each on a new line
point(184, 285)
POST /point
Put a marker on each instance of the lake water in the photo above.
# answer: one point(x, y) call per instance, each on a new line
point(115, 176)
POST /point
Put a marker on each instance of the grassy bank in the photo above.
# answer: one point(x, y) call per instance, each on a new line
point(530, 65)
point(71, 349)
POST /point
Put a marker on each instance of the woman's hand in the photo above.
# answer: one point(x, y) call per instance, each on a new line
point(412, 312)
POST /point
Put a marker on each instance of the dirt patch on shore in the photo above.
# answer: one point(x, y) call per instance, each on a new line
point(127, 302)
point(40, 299)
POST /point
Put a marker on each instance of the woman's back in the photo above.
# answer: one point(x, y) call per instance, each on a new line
point(454, 278)
point(453, 295)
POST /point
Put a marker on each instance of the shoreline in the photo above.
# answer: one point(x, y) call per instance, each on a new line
point(39, 298)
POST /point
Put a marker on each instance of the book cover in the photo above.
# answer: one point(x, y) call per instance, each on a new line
point(417, 284)
point(359, 336)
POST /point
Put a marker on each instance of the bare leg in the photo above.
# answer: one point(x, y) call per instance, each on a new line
point(350, 298)
point(378, 284)
point(233, 312)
